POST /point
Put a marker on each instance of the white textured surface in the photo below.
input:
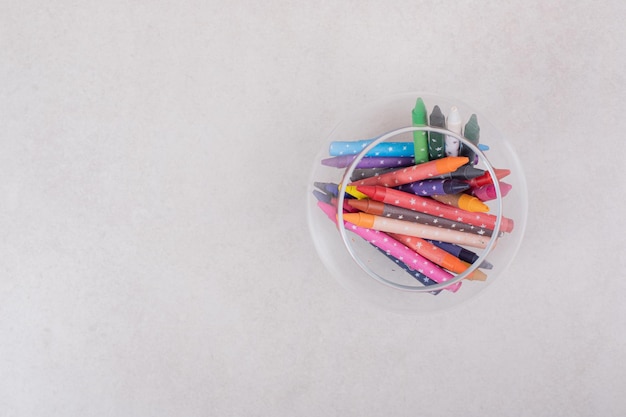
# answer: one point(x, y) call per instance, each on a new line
point(154, 259)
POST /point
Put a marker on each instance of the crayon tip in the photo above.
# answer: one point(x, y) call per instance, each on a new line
point(450, 163)
point(454, 116)
point(354, 192)
point(476, 206)
point(505, 188)
point(437, 116)
point(456, 186)
point(360, 219)
point(361, 205)
point(367, 190)
point(420, 107)
point(325, 198)
point(502, 172)
point(329, 210)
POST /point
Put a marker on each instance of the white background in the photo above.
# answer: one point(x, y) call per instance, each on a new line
point(154, 253)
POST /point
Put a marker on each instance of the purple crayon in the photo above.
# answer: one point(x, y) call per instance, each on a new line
point(369, 162)
point(435, 187)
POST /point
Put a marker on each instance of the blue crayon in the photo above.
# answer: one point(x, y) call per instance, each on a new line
point(394, 149)
point(387, 149)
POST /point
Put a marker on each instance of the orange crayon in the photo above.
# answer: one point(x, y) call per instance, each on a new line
point(438, 256)
point(385, 224)
point(414, 173)
point(463, 201)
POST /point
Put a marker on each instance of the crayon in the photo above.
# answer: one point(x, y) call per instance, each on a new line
point(415, 274)
point(386, 149)
point(361, 174)
point(368, 162)
point(414, 173)
point(488, 192)
point(434, 187)
point(436, 141)
point(387, 210)
point(430, 206)
point(395, 149)
point(334, 201)
point(438, 256)
point(394, 248)
point(466, 172)
point(460, 252)
point(385, 224)
point(471, 132)
point(353, 192)
point(463, 201)
point(453, 125)
point(328, 187)
point(420, 138)
point(486, 177)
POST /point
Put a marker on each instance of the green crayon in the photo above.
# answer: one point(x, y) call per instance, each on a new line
point(420, 138)
point(471, 133)
point(437, 141)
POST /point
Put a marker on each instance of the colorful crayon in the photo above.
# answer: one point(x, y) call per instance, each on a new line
point(453, 124)
point(471, 132)
point(461, 253)
point(386, 149)
point(393, 149)
point(334, 201)
point(394, 212)
point(368, 162)
point(486, 177)
point(361, 174)
point(438, 256)
point(430, 206)
point(435, 187)
point(463, 201)
point(414, 173)
point(420, 137)
point(394, 248)
point(466, 172)
point(436, 141)
point(488, 192)
point(423, 279)
point(385, 224)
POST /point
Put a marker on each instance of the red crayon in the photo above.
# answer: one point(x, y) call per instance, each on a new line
point(486, 177)
point(417, 172)
point(430, 206)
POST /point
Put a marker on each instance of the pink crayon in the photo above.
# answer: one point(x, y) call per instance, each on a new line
point(396, 249)
point(488, 192)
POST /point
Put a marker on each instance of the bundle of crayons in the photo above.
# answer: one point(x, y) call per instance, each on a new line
point(422, 204)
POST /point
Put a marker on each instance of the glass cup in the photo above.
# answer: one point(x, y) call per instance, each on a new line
point(365, 270)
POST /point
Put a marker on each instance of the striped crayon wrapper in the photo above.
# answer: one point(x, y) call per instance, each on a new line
point(384, 224)
point(430, 206)
point(396, 249)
